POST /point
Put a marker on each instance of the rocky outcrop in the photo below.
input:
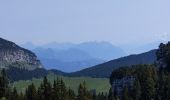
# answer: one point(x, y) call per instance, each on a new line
point(13, 55)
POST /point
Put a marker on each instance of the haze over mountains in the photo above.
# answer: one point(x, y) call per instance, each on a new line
point(70, 57)
point(23, 64)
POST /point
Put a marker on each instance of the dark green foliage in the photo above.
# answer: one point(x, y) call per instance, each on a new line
point(31, 92)
point(163, 87)
point(105, 69)
point(152, 81)
point(16, 74)
point(47, 89)
point(145, 84)
point(40, 92)
point(70, 95)
point(3, 84)
point(101, 96)
point(126, 94)
point(14, 95)
point(136, 93)
point(57, 91)
point(83, 93)
point(163, 62)
point(111, 95)
point(163, 56)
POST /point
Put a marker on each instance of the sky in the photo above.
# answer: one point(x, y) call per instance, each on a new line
point(121, 22)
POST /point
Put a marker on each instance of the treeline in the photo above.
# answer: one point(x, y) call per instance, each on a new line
point(152, 82)
point(144, 85)
point(47, 91)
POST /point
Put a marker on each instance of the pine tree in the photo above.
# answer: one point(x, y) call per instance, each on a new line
point(14, 95)
point(126, 94)
point(137, 90)
point(160, 86)
point(83, 93)
point(47, 89)
point(3, 84)
point(31, 92)
point(80, 93)
point(163, 56)
point(148, 86)
point(40, 93)
point(101, 96)
point(111, 94)
point(167, 87)
point(21, 96)
point(55, 91)
point(70, 95)
point(63, 90)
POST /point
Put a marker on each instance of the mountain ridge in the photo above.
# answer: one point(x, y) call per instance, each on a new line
point(11, 54)
point(70, 57)
point(105, 69)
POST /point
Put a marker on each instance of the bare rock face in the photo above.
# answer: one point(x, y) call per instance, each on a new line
point(13, 55)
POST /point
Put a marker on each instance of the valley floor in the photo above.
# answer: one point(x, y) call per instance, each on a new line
point(99, 84)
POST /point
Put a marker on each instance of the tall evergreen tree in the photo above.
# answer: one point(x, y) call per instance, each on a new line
point(163, 61)
point(3, 84)
point(111, 95)
point(55, 91)
point(63, 91)
point(40, 92)
point(14, 95)
point(47, 89)
point(83, 93)
point(70, 95)
point(163, 56)
point(126, 94)
point(31, 92)
point(137, 90)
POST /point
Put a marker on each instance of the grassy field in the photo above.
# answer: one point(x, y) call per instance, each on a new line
point(100, 84)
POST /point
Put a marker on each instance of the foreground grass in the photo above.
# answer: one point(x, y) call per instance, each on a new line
point(99, 84)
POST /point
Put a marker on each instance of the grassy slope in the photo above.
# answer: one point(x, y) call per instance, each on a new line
point(100, 84)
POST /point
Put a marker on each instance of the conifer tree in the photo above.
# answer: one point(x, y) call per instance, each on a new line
point(137, 90)
point(126, 94)
point(3, 84)
point(55, 92)
point(83, 93)
point(63, 90)
point(40, 92)
point(14, 95)
point(47, 89)
point(21, 96)
point(111, 94)
point(70, 95)
point(31, 92)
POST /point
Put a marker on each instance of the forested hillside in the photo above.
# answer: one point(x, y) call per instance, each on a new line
point(105, 69)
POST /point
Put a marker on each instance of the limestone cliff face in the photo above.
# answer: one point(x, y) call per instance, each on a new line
point(13, 55)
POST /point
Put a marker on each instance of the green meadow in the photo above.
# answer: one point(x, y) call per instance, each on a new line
point(99, 84)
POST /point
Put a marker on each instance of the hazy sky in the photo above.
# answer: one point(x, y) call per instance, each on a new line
point(117, 21)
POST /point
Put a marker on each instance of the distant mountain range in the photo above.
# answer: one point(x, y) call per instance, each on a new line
point(24, 64)
point(70, 57)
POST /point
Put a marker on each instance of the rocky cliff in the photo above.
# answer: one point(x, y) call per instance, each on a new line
point(13, 55)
